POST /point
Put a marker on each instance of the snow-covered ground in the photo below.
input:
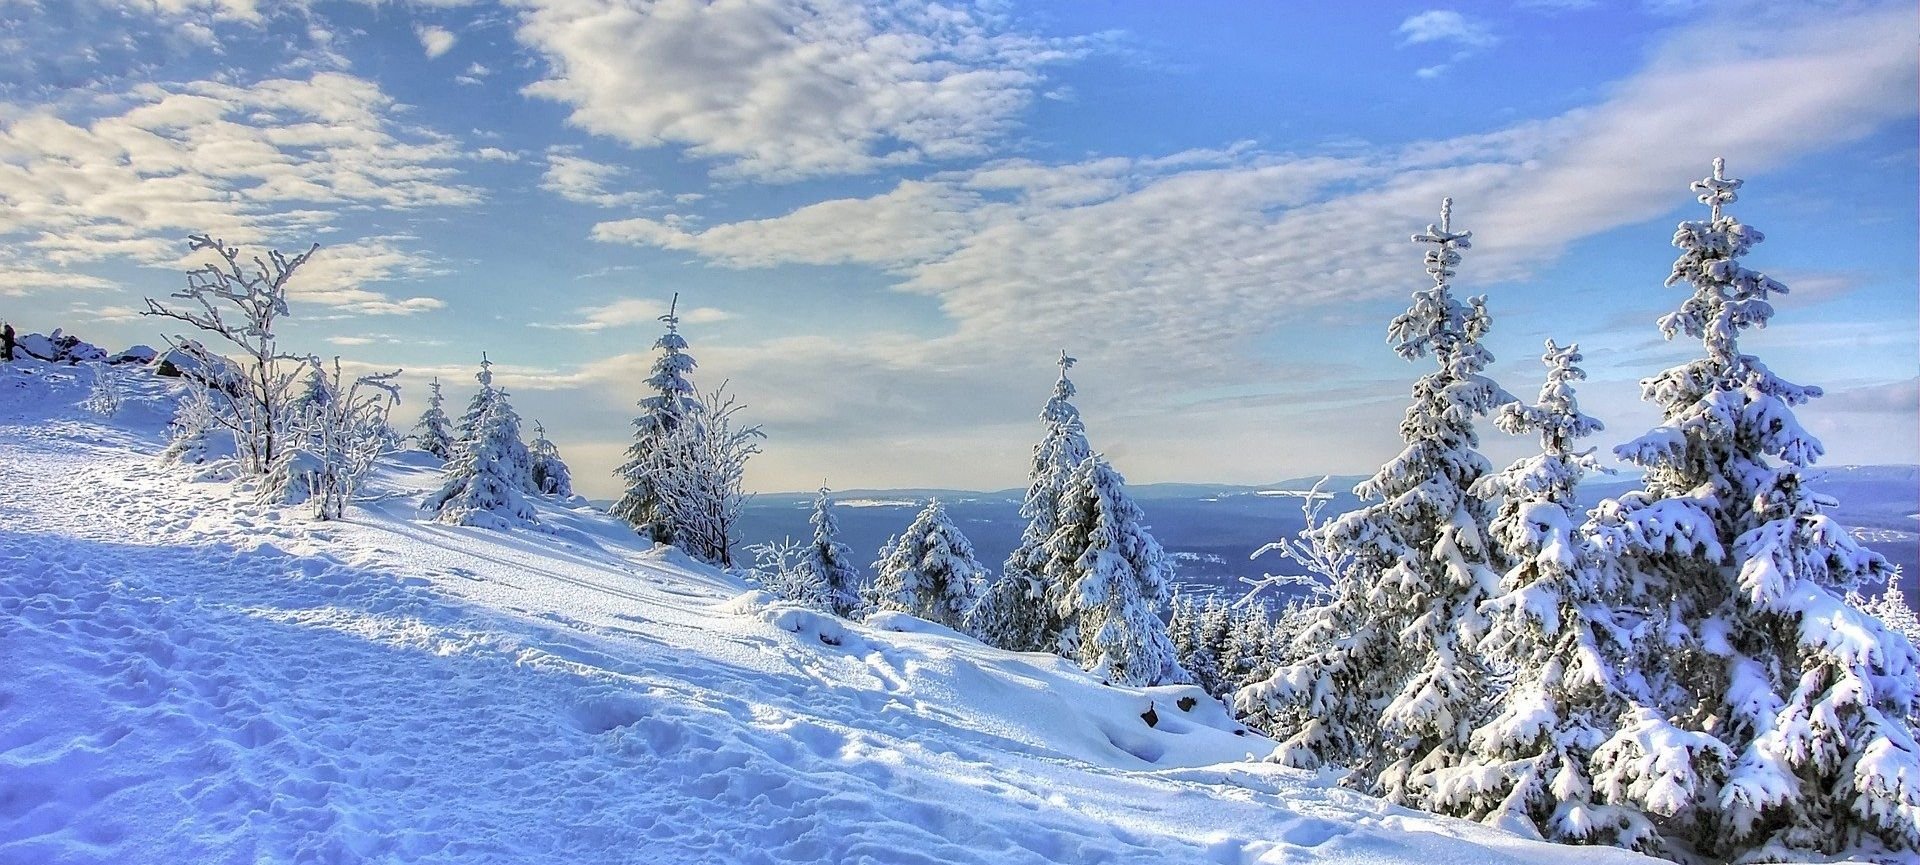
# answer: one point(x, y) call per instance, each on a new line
point(188, 677)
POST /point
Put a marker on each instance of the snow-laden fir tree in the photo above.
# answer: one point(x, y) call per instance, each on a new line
point(831, 560)
point(486, 480)
point(660, 415)
point(431, 433)
point(469, 425)
point(1017, 612)
point(549, 472)
point(1746, 638)
point(1248, 655)
point(1399, 684)
point(1109, 579)
point(929, 571)
point(1554, 627)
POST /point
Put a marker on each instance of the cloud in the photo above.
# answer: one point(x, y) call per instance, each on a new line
point(272, 163)
point(585, 181)
point(1222, 248)
point(635, 310)
point(1445, 26)
point(1898, 398)
point(436, 40)
point(495, 154)
point(784, 89)
point(339, 276)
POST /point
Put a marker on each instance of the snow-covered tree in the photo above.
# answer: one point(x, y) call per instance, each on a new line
point(1399, 685)
point(1747, 640)
point(693, 473)
point(342, 432)
point(242, 304)
point(831, 560)
point(103, 398)
point(550, 474)
point(929, 571)
point(661, 414)
point(1109, 580)
point(1554, 628)
point(1248, 656)
point(483, 397)
point(1017, 612)
point(431, 433)
point(1893, 610)
point(489, 474)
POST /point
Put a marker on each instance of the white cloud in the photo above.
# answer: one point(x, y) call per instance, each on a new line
point(635, 310)
point(1221, 248)
point(436, 40)
point(1446, 26)
point(585, 181)
point(495, 154)
point(783, 89)
point(270, 163)
point(339, 276)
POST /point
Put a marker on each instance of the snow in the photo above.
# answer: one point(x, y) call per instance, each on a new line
point(194, 677)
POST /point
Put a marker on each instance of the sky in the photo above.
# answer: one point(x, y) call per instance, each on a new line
point(884, 221)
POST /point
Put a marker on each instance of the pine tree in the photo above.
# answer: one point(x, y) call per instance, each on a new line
point(1016, 613)
point(1893, 610)
point(1396, 691)
point(1216, 633)
point(469, 426)
point(489, 472)
point(1110, 581)
point(660, 415)
point(1739, 570)
point(929, 571)
point(831, 560)
point(1553, 626)
point(550, 474)
point(431, 432)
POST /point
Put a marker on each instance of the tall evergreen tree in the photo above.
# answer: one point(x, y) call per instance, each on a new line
point(431, 432)
point(1396, 690)
point(1738, 569)
point(1553, 627)
point(1110, 580)
point(929, 571)
point(672, 402)
point(1017, 612)
point(483, 398)
point(549, 473)
point(488, 474)
point(831, 560)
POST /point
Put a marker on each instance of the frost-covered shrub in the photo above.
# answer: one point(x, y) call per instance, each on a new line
point(694, 473)
point(103, 398)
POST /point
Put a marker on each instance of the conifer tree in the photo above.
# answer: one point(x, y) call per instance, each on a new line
point(489, 472)
point(431, 432)
point(1553, 627)
point(482, 399)
point(831, 560)
point(1110, 579)
point(1893, 610)
point(929, 571)
point(1395, 692)
point(550, 474)
point(1805, 699)
point(673, 400)
point(1017, 612)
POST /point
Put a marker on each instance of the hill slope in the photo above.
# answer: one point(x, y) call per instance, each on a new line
point(190, 677)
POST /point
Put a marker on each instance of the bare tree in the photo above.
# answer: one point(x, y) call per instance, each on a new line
point(240, 302)
point(344, 434)
point(697, 469)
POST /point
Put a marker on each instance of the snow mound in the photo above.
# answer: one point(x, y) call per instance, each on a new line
point(192, 677)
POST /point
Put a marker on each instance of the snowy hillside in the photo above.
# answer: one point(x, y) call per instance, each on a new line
point(187, 677)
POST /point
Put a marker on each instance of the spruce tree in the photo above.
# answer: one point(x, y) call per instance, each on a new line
point(1110, 580)
point(831, 561)
point(1396, 690)
point(672, 402)
point(431, 432)
point(1739, 571)
point(1553, 628)
point(469, 425)
point(1017, 612)
point(550, 474)
point(929, 571)
point(488, 473)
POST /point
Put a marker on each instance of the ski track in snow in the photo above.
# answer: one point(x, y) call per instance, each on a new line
point(188, 677)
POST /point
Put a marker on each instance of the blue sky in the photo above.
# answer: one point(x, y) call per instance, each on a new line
point(886, 219)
